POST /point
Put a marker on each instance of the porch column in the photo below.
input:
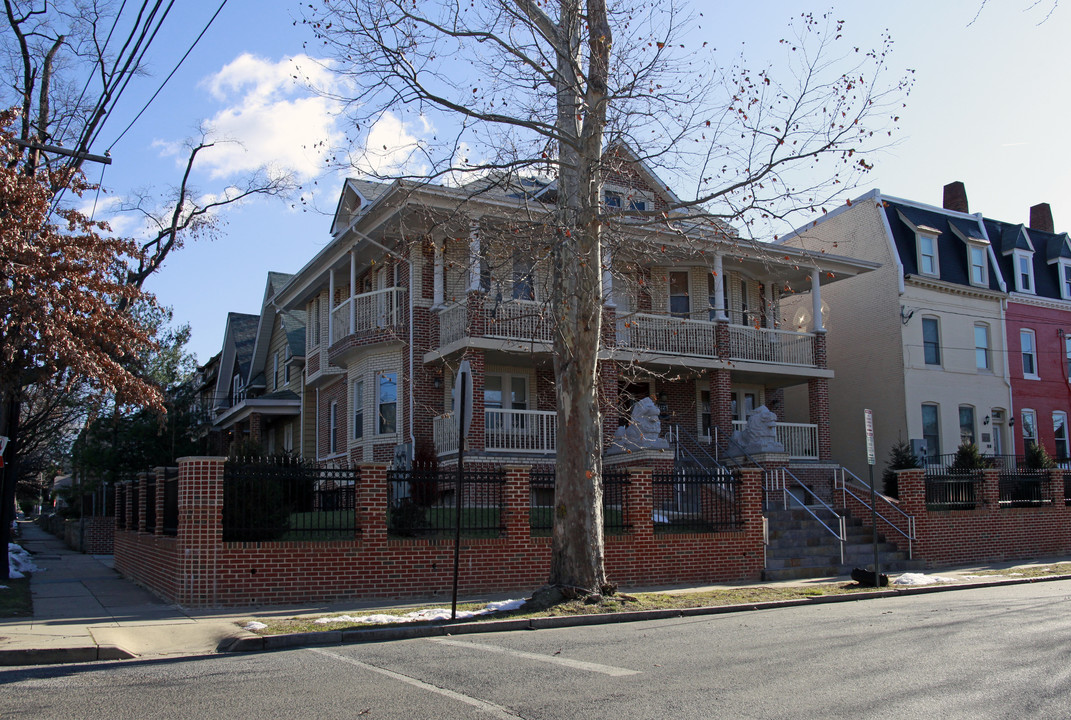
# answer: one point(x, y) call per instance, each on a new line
point(769, 304)
point(330, 306)
point(353, 291)
point(719, 290)
point(721, 397)
point(818, 406)
point(609, 401)
point(816, 301)
point(438, 278)
point(475, 261)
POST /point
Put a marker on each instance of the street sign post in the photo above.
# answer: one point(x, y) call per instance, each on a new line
point(868, 419)
point(463, 413)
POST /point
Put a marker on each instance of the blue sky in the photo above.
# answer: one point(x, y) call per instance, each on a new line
point(989, 107)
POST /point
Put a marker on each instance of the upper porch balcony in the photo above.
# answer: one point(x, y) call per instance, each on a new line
point(377, 316)
point(518, 325)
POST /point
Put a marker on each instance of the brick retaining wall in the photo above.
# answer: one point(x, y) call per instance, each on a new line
point(198, 569)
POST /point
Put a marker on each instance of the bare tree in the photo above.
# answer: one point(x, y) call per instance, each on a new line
point(577, 91)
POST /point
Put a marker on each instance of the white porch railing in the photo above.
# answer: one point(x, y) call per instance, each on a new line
point(667, 334)
point(670, 335)
point(800, 439)
point(515, 431)
point(508, 319)
point(521, 431)
point(453, 323)
point(376, 309)
point(774, 346)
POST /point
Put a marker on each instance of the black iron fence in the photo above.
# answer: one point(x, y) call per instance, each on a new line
point(696, 501)
point(953, 489)
point(287, 499)
point(1023, 487)
point(615, 502)
point(422, 502)
point(170, 509)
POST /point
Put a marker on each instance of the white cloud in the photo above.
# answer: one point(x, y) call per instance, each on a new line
point(270, 118)
point(392, 147)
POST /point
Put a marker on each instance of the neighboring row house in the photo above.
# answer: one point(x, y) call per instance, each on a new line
point(417, 278)
point(960, 336)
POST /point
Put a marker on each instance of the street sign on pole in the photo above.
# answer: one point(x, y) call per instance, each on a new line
point(868, 419)
point(463, 400)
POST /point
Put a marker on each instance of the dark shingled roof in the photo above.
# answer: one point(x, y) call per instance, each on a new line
point(1048, 248)
point(951, 249)
point(244, 333)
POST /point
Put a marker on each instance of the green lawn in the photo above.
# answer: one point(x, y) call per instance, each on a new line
point(16, 601)
point(542, 519)
point(438, 521)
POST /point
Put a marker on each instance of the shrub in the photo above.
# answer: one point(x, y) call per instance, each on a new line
point(1037, 458)
point(969, 458)
point(900, 458)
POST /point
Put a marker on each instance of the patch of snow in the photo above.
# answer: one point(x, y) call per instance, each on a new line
point(921, 579)
point(254, 625)
point(421, 615)
point(19, 562)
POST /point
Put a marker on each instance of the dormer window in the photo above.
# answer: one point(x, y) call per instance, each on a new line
point(1024, 271)
point(928, 255)
point(1065, 279)
point(613, 200)
point(976, 255)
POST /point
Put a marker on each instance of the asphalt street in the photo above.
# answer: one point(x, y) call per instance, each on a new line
point(982, 653)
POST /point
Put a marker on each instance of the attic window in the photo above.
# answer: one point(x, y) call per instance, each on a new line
point(613, 200)
point(1024, 271)
point(928, 254)
point(1065, 278)
point(976, 256)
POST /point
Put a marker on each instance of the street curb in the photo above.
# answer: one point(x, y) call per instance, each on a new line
point(261, 643)
point(57, 656)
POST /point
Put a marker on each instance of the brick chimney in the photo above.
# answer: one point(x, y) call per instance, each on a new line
point(956, 197)
point(1041, 217)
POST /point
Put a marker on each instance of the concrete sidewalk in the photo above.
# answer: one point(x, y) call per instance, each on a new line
point(84, 611)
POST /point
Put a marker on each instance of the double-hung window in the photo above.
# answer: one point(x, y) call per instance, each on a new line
point(358, 409)
point(1059, 433)
point(679, 304)
point(387, 403)
point(931, 429)
point(979, 266)
point(928, 255)
point(332, 428)
point(982, 359)
point(931, 341)
point(966, 424)
point(1024, 271)
point(1030, 428)
point(1029, 350)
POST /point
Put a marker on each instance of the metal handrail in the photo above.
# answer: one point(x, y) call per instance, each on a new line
point(910, 534)
point(841, 533)
point(713, 461)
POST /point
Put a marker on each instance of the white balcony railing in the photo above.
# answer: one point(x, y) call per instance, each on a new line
point(773, 346)
point(800, 439)
point(509, 319)
point(377, 309)
point(515, 431)
point(668, 335)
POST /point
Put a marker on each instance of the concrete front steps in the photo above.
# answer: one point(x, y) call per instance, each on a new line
point(801, 548)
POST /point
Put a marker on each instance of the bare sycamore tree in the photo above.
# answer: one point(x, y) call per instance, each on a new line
point(570, 90)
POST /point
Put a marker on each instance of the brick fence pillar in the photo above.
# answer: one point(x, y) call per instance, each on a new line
point(991, 490)
point(640, 507)
point(141, 511)
point(200, 528)
point(516, 500)
point(372, 506)
point(1056, 488)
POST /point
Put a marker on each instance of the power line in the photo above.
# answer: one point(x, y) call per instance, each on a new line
point(170, 75)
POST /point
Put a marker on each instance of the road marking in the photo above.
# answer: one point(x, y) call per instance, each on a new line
point(490, 708)
point(553, 659)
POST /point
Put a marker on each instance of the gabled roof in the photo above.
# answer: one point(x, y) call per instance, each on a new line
point(238, 340)
point(1013, 237)
point(292, 322)
point(356, 196)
